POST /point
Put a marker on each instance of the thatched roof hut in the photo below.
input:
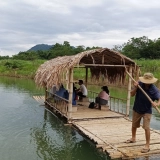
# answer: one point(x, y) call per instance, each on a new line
point(108, 63)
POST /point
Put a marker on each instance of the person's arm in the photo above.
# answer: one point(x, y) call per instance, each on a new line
point(156, 104)
point(100, 93)
point(134, 90)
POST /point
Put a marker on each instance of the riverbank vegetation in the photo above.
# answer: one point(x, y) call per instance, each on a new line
point(19, 68)
point(27, 69)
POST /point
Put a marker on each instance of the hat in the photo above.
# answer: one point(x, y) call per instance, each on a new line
point(148, 78)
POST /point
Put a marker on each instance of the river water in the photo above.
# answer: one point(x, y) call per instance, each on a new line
point(29, 131)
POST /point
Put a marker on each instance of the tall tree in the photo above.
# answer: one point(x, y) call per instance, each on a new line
point(134, 46)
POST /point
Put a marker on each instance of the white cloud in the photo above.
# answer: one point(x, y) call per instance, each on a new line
point(25, 23)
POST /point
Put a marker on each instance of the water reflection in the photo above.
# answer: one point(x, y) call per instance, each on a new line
point(23, 85)
point(55, 141)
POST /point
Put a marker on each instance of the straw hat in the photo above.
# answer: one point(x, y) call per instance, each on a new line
point(148, 78)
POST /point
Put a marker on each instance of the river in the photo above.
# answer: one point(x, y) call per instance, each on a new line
point(29, 131)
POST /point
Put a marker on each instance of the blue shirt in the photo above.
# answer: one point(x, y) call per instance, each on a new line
point(73, 97)
point(142, 105)
point(61, 92)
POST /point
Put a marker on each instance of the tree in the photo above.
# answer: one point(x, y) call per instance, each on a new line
point(118, 48)
point(133, 48)
point(152, 51)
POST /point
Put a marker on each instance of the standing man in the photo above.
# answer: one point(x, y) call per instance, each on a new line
point(143, 107)
point(82, 91)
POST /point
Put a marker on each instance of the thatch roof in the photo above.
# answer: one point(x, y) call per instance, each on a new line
point(51, 71)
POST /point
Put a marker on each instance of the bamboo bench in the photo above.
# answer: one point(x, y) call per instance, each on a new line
point(105, 107)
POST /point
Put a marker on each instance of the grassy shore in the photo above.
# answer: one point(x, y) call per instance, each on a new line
point(27, 69)
point(19, 68)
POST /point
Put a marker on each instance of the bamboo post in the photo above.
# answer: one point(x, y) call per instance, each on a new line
point(69, 115)
point(46, 95)
point(67, 78)
point(129, 93)
point(143, 92)
point(86, 78)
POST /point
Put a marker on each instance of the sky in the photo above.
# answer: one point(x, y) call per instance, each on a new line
point(103, 23)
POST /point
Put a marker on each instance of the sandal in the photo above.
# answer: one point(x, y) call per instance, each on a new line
point(130, 141)
point(145, 150)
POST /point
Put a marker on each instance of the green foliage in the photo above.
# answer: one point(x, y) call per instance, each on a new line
point(13, 65)
point(148, 65)
point(29, 55)
point(19, 68)
point(4, 57)
point(141, 47)
point(135, 46)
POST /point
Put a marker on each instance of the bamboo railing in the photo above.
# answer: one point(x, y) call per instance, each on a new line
point(60, 104)
point(115, 104)
point(57, 103)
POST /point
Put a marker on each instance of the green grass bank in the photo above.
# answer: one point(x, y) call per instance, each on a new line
point(27, 69)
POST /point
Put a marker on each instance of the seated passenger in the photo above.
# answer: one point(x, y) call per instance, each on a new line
point(102, 98)
point(73, 96)
point(82, 91)
point(52, 91)
point(61, 92)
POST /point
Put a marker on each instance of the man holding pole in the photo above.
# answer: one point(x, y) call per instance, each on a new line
point(143, 106)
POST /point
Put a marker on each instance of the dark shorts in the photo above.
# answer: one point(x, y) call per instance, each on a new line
point(101, 101)
point(80, 94)
point(136, 119)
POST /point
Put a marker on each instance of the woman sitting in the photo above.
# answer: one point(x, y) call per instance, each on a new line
point(102, 98)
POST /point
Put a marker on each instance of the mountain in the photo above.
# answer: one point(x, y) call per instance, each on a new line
point(43, 47)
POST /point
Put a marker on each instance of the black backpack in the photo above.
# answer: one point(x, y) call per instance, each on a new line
point(91, 105)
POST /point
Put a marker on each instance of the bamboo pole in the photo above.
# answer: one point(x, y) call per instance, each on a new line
point(46, 94)
point(143, 92)
point(67, 82)
point(104, 65)
point(129, 94)
point(86, 79)
point(69, 115)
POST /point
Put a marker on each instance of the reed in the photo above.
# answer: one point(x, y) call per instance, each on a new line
point(148, 65)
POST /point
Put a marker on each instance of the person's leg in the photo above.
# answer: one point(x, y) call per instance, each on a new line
point(80, 95)
point(147, 134)
point(97, 101)
point(134, 129)
point(136, 118)
point(146, 126)
point(102, 102)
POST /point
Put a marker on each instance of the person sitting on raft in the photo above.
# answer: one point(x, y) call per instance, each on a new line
point(102, 98)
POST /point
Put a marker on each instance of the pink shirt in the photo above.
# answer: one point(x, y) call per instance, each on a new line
point(103, 95)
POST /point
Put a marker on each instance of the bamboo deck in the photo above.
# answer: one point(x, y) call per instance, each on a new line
point(109, 131)
point(83, 112)
point(110, 134)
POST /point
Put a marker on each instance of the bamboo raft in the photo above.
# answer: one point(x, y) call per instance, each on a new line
point(39, 99)
point(109, 131)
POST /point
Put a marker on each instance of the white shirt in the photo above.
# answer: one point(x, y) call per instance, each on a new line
point(83, 89)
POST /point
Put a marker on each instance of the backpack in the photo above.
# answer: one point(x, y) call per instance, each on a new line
point(91, 105)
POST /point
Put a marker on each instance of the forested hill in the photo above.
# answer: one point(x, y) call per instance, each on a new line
point(41, 47)
point(135, 48)
point(54, 51)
